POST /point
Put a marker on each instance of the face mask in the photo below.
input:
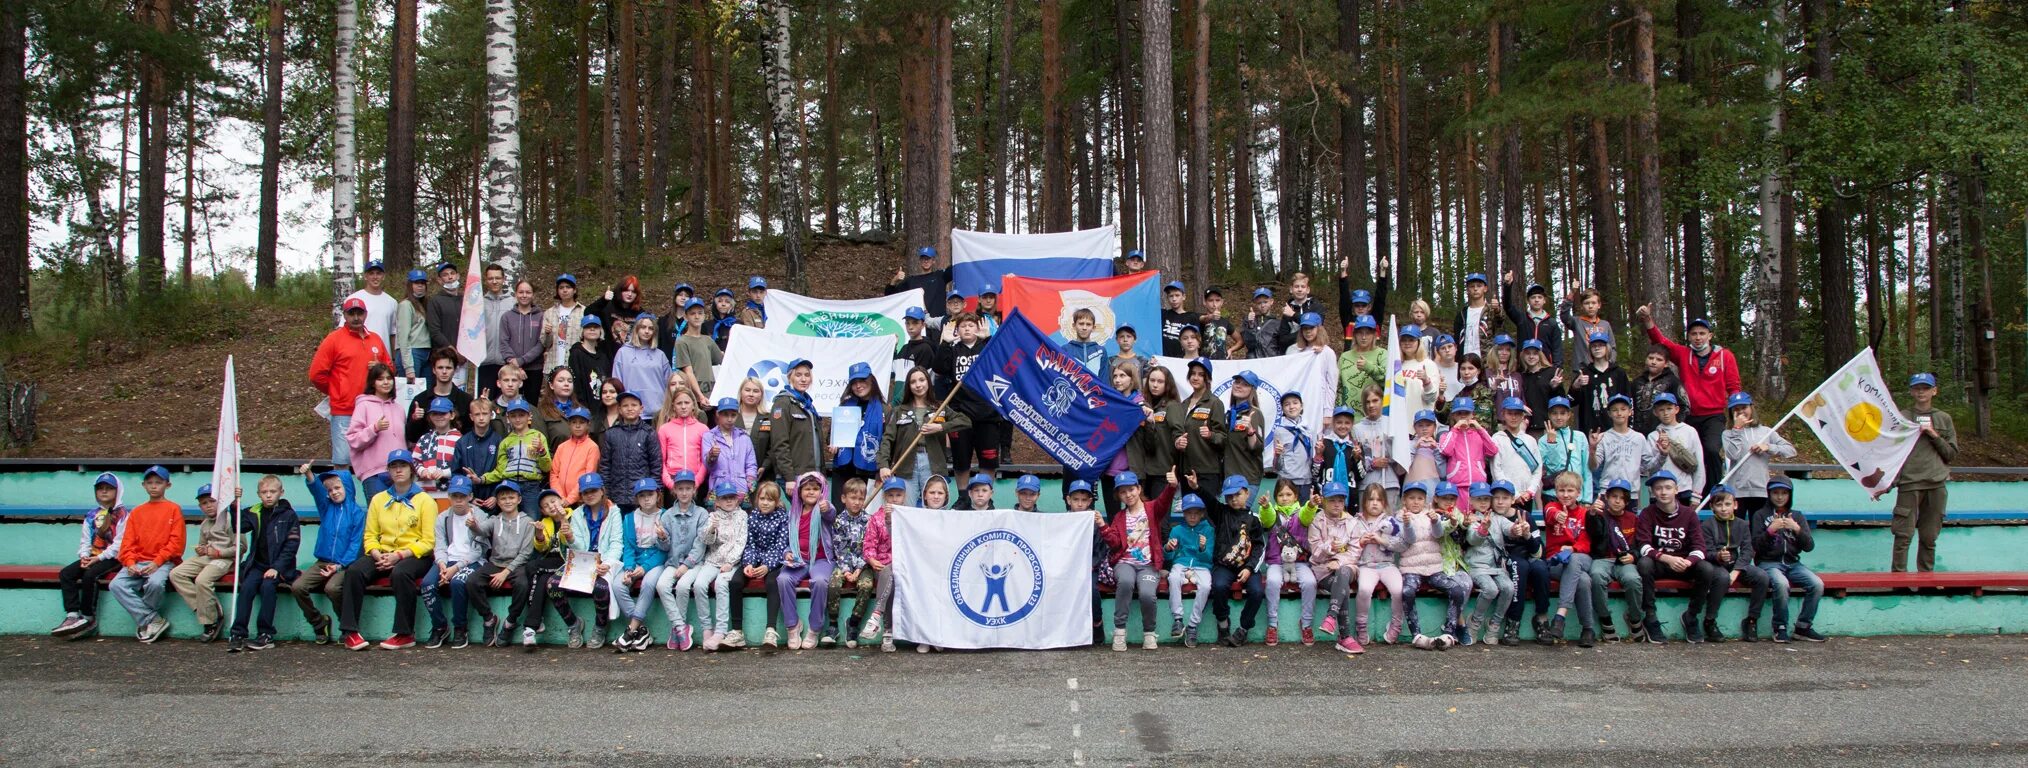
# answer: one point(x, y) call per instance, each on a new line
point(451, 286)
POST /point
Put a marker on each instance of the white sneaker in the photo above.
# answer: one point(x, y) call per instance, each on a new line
point(887, 645)
point(920, 648)
point(772, 638)
point(872, 629)
point(1119, 639)
point(1148, 641)
point(733, 639)
point(155, 630)
point(528, 637)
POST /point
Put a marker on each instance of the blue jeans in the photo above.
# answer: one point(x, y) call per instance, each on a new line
point(919, 476)
point(141, 595)
point(418, 360)
point(253, 586)
point(372, 486)
point(341, 451)
point(1780, 576)
point(460, 617)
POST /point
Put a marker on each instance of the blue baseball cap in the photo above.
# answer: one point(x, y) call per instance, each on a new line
point(1559, 401)
point(1922, 380)
point(1619, 399)
point(591, 481)
point(106, 479)
point(1661, 476)
point(591, 320)
point(566, 278)
point(1337, 490)
point(1411, 331)
point(1722, 489)
point(1600, 337)
point(1126, 479)
point(626, 393)
point(859, 371)
point(1263, 293)
point(1200, 362)
point(163, 472)
point(756, 282)
point(461, 485)
point(575, 411)
point(1252, 379)
point(518, 404)
point(684, 288)
point(1233, 484)
point(953, 295)
point(1463, 405)
point(727, 404)
point(1344, 411)
point(893, 483)
point(1619, 484)
point(1535, 344)
point(725, 488)
point(1697, 321)
point(915, 313)
point(1311, 320)
point(442, 405)
point(546, 493)
point(1444, 339)
point(681, 476)
point(1446, 488)
point(726, 292)
point(649, 484)
point(1136, 254)
point(1475, 277)
point(418, 276)
point(1125, 328)
point(507, 486)
point(373, 265)
point(203, 491)
point(1174, 285)
point(398, 455)
point(1191, 501)
point(1662, 399)
point(1479, 490)
point(1028, 483)
point(1500, 485)
point(926, 252)
point(1738, 399)
point(1365, 323)
point(1503, 340)
point(1191, 327)
point(1425, 415)
point(1513, 404)
point(1362, 297)
point(1780, 482)
point(1419, 486)
point(693, 303)
point(1078, 486)
point(800, 363)
point(443, 265)
point(1535, 288)
point(979, 480)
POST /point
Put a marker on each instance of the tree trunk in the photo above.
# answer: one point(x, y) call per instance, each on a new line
point(1130, 125)
point(1693, 287)
point(154, 171)
point(1398, 269)
point(1352, 146)
point(923, 187)
point(1766, 274)
point(1200, 149)
point(581, 149)
point(265, 264)
point(1082, 147)
point(1834, 266)
point(833, 103)
point(503, 140)
point(14, 266)
point(1383, 149)
point(1003, 113)
point(397, 211)
point(626, 80)
point(1605, 224)
point(1654, 248)
point(661, 142)
point(1869, 229)
point(189, 233)
point(703, 105)
point(1242, 170)
point(1503, 42)
point(785, 123)
point(883, 189)
point(1159, 139)
point(1055, 141)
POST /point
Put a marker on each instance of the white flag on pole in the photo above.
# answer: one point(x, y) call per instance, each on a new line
point(993, 579)
point(1853, 413)
point(1397, 414)
point(226, 452)
point(472, 330)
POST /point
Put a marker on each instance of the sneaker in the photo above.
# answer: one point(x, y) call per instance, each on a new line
point(87, 629)
point(1554, 634)
point(320, 631)
point(155, 630)
point(438, 635)
point(851, 641)
point(1693, 631)
point(1274, 636)
point(575, 639)
point(1309, 636)
point(771, 638)
point(920, 648)
point(1587, 638)
point(1423, 642)
point(353, 642)
point(70, 623)
point(261, 642)
point(1510, 633)
point(643, 640)
point(827, 641)
point(1446, 641)
point(1805, 632)
point(1148, 641)
point(1236, 638)
point(398, 642)
point(1329, 627)
point(1393, 632)
point(1651, 631)
point(1119, 639)
point(460, 639)
point(795, 639)
point(1466, 635)
point(734, 639)
point(1541, 626)
point(1350, 645)
point(1781, 633)
point(596, 638)
point(1176, 628)
point(1748, 631)
point(683, 638)
point(1224, 631)
point(1637, 632)
point(1606, 629)
point(1190, 636)
point(872, 629)
point(1711, 633)
point(710, 641)
point(887, 644)
point(235, 644)
point(528, 639)
point(492, 633)
point(209, 632)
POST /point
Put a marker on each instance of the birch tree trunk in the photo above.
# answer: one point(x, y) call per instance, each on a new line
point(503, 140)
point(1770, 378)
point(344, 149)
point(785, 123)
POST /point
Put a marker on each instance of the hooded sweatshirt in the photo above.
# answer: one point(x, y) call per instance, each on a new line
point(723, 538)
point(1286, 538)
point(1466, 452)
point(682, 443)
point(342, 524)
point(810, 528)
point(371, 446)
point(735, 463)
point(509, 539)
point(1749, 470)
point(644, 371)
point(103, 527)
point(1194, 543)
point(1486, 545)
point(1326, 533)
point(1783, 547)
point(1379, 553)
point(1734, 535)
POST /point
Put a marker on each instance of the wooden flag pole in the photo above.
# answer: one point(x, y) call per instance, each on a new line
point(918, 433)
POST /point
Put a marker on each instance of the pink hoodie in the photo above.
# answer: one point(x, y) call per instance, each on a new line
point(1467, 451)
point(682, 442)
point(370, 448)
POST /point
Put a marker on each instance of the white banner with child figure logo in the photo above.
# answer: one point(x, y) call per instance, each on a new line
point(1315, 377)
point(995, 579)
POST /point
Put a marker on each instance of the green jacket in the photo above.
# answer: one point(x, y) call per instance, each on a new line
point(1243, 452)
point(517, 458)
point(794, 446)
point(1929, 465)
point(1357, 370)
point(1202, 455)
point(903, 422)
point(1151, 450)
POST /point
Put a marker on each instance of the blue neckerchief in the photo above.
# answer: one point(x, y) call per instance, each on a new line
point(802, 398)
point(865, 449)
point(1339, 472)
point(759, 308)
point(1296, 430)
point(1236, 413)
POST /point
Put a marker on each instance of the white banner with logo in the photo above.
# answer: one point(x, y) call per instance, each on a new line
point(1313, 376)
point(994, 579)
point(801, 315)
point(765, 355)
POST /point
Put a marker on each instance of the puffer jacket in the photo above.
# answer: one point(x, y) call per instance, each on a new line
point(1422, 545)
point(277, 534)
point(1486, 545)
point(629, 451)
point(723, 538)
point(1382, 552)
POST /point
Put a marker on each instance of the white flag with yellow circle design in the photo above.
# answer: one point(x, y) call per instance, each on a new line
point(1853, 413)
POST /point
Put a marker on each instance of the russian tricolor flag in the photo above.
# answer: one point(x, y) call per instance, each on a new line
point(980, 259)
point(1133, 300)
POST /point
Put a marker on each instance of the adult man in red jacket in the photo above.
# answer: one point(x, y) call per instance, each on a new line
point(339, 371)
point(1710, 375)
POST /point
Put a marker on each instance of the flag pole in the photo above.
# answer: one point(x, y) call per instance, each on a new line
point(955, 386)
point(1706, 498)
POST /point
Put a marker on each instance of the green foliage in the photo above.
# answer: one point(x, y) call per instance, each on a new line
point(75, 329)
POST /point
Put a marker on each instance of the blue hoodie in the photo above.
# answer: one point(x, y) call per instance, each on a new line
point(341, 525)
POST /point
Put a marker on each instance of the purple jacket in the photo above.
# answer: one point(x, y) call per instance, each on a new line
point(1289, 530)
point(735, 461)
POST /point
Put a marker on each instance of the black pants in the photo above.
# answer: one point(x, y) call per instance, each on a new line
point(81, 585)
point(1222, 578)
point(736, 610)
point(488, 384)
point(981, 440)
point(1531, 581)
point(1710, 432)
point(404, 579)
point(1750, 576)
point(479, 593)
point(1707, 584)
point(537, 589)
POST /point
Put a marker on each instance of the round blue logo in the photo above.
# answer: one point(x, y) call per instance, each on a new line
point(773, 376)
point(996, 579)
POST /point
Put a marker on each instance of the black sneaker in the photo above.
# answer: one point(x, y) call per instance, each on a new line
point(320, 631)
point(261, 642)
point(1176, 629)
point(1693, 632)
point(1606, 630)
point(1587, 638)
point(1235, 639)
point(87, 629)
point(1749, 632)
point(209, 632)
point(1510, 632)
point(235, 644)
point(438, 634)
point(1652, 631)
point(492, 631)
point(1781, 634)
point(1711, 633)
point(459, 639)
point(1190, 637)
point(1550, 635)
point(1805, 632)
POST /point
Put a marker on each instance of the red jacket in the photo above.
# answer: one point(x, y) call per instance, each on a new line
point(1572, 533)
point(1115, 530)
point(339, 369)
point(1708, 380)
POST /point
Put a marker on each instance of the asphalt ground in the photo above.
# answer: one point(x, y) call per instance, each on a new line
point(1900, 701)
